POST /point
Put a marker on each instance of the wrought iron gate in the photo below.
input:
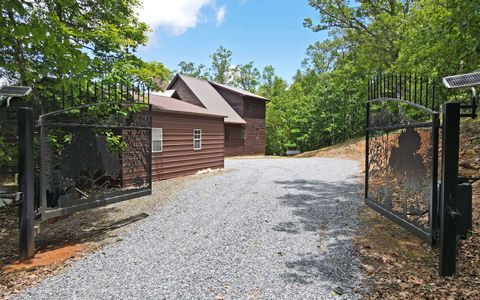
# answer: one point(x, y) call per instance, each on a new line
point(402, 158)
point(402, 164)
point(93, 155)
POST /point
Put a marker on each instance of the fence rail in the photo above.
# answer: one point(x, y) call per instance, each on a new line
point(72, 94)
point(417, 89)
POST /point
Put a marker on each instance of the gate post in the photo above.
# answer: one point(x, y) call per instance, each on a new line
point(367, 145)
point(26, 182)
point(448, 204)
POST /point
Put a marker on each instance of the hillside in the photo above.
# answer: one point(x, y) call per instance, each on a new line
point(397, 263)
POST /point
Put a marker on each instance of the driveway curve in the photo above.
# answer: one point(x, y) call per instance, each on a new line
point(267, 229)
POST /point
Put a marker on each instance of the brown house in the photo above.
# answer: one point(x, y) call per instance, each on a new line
point(244, 112)
point(185, 139)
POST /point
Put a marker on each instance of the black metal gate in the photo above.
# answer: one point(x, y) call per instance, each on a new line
point(402, 164)
point(93, 155)
point(402, 158)
point(96, 150)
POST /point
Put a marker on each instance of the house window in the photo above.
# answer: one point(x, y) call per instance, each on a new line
point(197, 139)
point(157, 139)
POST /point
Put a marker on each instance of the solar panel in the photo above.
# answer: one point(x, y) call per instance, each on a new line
point(462, 81)
point(15, 91)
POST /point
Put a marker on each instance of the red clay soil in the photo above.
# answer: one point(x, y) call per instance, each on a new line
point(49, 258)
point(353, 150)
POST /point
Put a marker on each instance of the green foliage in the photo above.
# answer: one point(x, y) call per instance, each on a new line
point(221, 70)
point(107, 114)
point(79, 39)
point(190, 69)
point(7, 154)
point(246, 77)
point(153, 74)
point(115, 143)
point(49, 43)
point(221, 62)
point(325, 103)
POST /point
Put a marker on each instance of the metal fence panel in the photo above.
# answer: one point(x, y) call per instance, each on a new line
point(402, 163)
point(94, 155)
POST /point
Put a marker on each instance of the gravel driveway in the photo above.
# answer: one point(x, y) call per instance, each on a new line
point(269, 229)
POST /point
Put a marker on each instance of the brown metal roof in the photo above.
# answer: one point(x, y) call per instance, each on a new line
point(239, 91)
point(211, 99)
point(174, 105)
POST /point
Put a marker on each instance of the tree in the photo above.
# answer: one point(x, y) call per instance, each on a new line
point(190, 69)
point(44, 43)
point(75, 39)
point(153, 74)
point(221, 65)
point(246, 77)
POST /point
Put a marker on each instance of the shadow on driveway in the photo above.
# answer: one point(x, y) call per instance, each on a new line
point(329, 208)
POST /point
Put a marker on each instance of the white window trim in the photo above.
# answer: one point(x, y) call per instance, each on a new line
point(160, 140)
point(199, 139)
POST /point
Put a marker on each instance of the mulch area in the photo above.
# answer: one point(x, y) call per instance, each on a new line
point(395, 263)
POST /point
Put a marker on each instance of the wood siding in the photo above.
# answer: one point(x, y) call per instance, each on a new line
point(254, 108)
point(235, 100)
point(255, 136)
point(178, 157)
point(234, 143)
point(247, 139)
point(184, 93)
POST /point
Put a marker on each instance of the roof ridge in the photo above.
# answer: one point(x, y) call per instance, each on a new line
point(213, 101)
point(237, 90)
point(175, 105)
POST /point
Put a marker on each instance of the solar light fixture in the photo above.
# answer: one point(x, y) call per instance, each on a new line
point(470, 80)
point(14, 92)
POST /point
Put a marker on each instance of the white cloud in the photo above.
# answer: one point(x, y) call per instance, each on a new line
point(177, 16)
point(221, 15)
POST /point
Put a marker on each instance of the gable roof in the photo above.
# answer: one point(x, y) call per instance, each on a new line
point(173, 105)
point(238, 91)
point(210, 98)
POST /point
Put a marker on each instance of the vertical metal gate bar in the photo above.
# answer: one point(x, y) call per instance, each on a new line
point(434, 201)
point(448, 203)
point(43, 155)
point(26, 182)
point(367, 145)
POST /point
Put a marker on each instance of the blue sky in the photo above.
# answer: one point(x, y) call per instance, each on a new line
point(268, 32)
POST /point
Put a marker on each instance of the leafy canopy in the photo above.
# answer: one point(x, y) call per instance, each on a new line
point(77, 39)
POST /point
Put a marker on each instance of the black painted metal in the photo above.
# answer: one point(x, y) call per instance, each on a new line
point(434, 208)
point(367, 145)
point(464, 202)
point(26, 182)
point(93, 155)
point(74, 94)
point(401, 163)
point(449, 215)
point(417, 89)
